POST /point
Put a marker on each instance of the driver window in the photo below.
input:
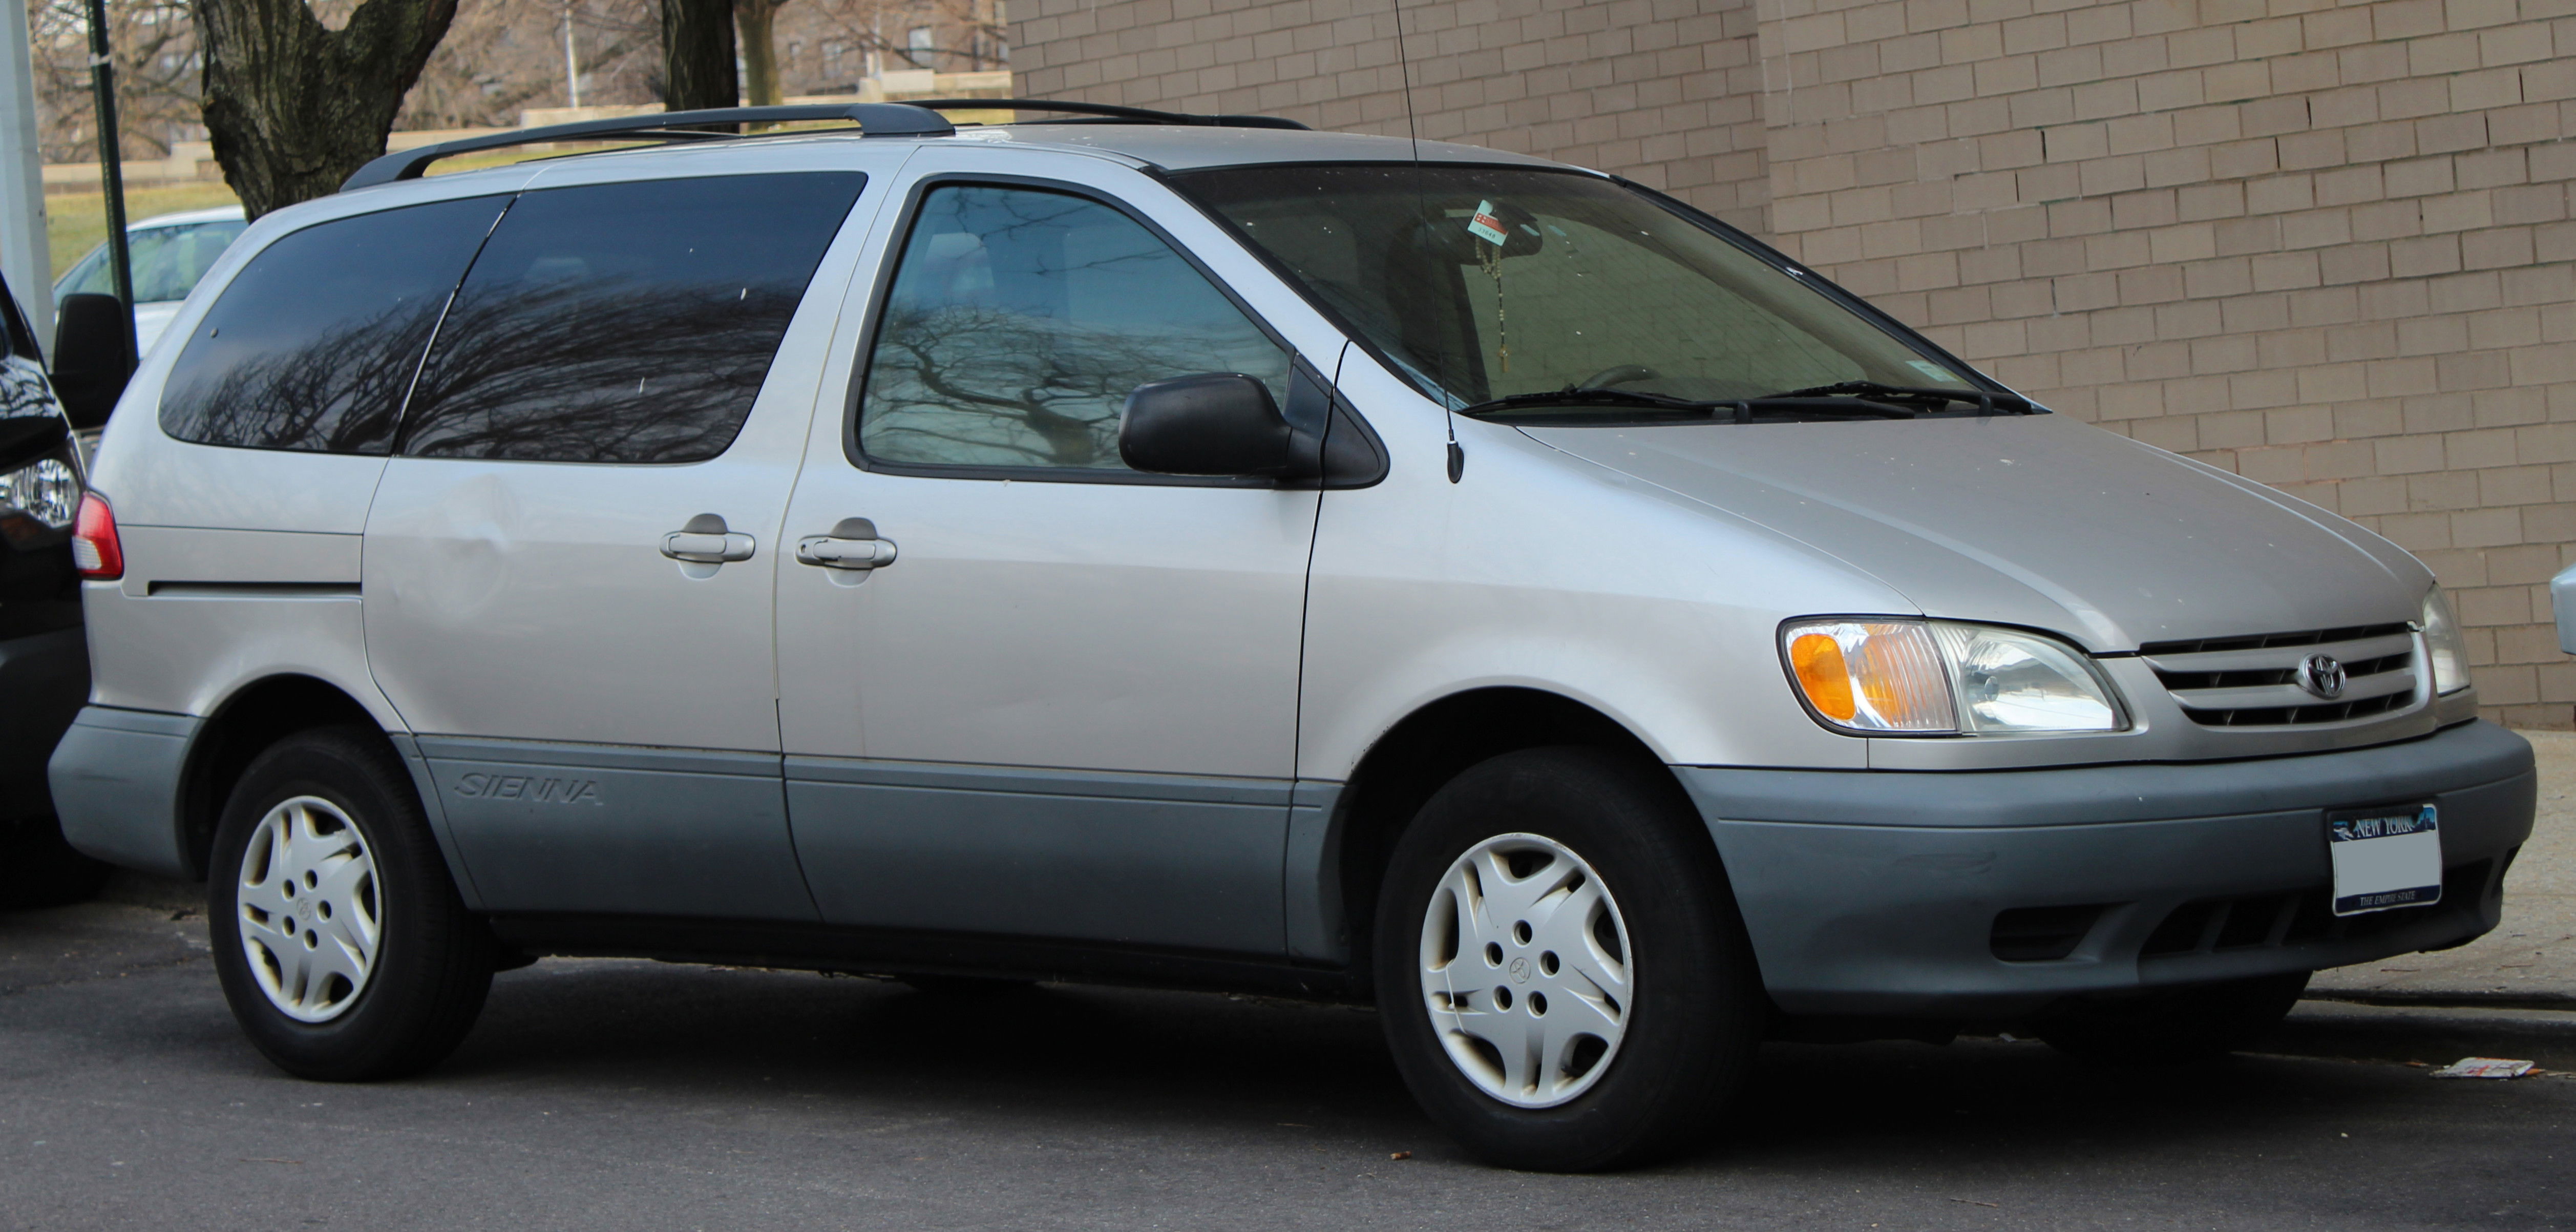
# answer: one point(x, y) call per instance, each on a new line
point(1019, 320)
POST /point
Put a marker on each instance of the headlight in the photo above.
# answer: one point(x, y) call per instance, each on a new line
point(1938, 677)
point(47, 490)
point(2444, 645)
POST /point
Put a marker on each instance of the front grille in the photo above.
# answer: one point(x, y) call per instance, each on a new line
point(2253, 681)
point(2295, 917)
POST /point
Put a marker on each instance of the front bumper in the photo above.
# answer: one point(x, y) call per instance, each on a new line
point(1877, 893)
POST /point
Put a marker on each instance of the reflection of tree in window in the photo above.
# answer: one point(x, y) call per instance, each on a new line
point(1020, 320)
point(312, 345)
point(624, 322)
point(336, 394)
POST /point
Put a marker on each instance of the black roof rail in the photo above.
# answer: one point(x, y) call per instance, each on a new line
point(1102, 112)
point(873, 119)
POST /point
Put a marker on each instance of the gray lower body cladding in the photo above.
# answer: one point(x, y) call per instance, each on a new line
point(1880, 893)
point(116, 786)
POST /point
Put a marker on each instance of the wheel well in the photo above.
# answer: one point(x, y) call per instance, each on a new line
point(246, 724)
point(1426, 750)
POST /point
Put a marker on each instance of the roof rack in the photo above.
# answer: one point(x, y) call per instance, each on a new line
point(905, 119)
point(1100, 113)
point(873, 119)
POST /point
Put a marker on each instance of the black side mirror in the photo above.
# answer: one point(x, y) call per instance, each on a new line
point(93, 357)
point(1215, 423)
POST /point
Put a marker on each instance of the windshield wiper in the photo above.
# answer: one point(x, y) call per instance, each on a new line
point(1743, 409)
point(1858, 399)
point(1986, 403)
point(1594, 396)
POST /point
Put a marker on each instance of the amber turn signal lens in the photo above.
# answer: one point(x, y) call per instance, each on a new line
point(1872, 675)
point(1819, 665)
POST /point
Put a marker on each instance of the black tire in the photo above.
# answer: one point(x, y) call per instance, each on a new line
point(1696, 1007)
point(39, 869)
point(433, 962)
point(2174, 1025)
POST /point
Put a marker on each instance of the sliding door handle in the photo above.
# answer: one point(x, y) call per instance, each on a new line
point(705, 541)
point(853, 544)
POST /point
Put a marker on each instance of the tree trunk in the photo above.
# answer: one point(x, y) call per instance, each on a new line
point(757, 20)
point(293, 107)
point(697, 55)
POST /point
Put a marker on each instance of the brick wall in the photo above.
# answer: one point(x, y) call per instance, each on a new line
point(1665, 91)
point(2325, 245)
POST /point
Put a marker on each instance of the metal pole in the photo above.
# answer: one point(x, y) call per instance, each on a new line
point(572, 66)
point(111, 165)
point(24, 251)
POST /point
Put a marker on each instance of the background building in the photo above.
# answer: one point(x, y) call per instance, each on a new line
point(2327, 246)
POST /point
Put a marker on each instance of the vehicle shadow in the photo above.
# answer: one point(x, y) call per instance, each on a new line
point(1177, 1062)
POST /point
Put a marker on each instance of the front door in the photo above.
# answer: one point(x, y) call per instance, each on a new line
point(1065, 707)
point(569, 563)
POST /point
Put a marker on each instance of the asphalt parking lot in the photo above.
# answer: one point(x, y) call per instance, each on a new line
point(637, 1095)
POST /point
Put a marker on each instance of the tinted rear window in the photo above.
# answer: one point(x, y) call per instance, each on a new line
point(313, 344)
point(628, 322)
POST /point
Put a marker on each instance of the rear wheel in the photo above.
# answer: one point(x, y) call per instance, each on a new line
point(340, 941)
point(1560, 969)
point(2173, 1025)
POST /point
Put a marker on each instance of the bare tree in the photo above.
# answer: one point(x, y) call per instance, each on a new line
point(157, 70)
point(757, 20)
point(294, 105)
point(966, 35)
point(697, 55)
point(504, 55)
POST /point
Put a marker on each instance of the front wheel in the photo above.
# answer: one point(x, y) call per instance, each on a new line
point(1561, 972)
point(340, 942)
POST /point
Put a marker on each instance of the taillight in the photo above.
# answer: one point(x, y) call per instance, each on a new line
point(95, 549)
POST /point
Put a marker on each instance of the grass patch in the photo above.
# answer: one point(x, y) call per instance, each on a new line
point(77, 222)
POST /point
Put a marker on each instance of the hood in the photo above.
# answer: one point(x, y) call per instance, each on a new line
point(2034, 520)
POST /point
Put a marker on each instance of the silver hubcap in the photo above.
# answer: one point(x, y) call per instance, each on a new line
point(1526, 970)
point(310, 917)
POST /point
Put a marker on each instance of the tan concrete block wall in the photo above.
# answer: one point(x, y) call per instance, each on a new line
point(1663, 91)
point(2326, 246)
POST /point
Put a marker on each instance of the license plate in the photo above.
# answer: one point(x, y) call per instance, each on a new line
point(2385, 857)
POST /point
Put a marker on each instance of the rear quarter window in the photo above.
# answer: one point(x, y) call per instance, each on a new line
point(629, 322)
point(313, 345)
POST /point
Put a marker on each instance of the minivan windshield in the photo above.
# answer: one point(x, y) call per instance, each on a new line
point(1492, 283)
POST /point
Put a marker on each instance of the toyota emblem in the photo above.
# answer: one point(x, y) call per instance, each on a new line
point(2321, 675)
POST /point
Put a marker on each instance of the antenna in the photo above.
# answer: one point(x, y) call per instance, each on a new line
point(1422, 209)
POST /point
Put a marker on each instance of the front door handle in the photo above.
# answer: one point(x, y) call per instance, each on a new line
point(853, 544)
point(705, 541)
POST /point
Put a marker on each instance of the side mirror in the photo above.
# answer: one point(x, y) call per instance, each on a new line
point(93, 358)
point(1216, 423)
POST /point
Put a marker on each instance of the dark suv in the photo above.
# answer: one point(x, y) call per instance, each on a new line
point(44, 657)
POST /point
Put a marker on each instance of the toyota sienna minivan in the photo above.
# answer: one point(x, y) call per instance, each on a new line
point(1189, 551)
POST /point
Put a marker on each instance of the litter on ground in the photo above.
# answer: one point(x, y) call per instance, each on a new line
point(2483, 1067)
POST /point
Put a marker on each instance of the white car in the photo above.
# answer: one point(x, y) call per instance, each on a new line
point(170, 252)
point(1182, 551)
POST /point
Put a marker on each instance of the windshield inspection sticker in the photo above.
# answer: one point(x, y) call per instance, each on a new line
point(1934, 371)
point(2385, 857)
point(1485, 226)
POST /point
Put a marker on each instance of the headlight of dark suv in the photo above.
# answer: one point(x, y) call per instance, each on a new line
point(39, 500)
point(1892, 676)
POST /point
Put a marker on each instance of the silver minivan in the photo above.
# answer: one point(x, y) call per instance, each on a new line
point(1189, 551)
